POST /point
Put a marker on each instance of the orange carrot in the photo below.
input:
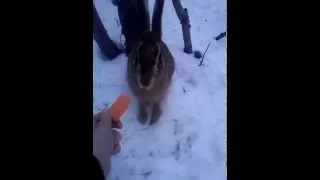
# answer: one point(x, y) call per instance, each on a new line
point(119, 107)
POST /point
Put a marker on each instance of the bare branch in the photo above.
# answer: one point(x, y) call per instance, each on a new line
point(204, 54)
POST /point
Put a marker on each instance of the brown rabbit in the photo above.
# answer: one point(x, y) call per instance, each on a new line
point(150, 69)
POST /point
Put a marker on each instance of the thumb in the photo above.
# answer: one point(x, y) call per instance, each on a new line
point(97, 119)
point(105, 118)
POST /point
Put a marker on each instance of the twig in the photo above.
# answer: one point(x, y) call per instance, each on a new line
point(217, 38)
point(201, 62)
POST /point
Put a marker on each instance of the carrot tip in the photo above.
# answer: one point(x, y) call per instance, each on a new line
point(119, 107)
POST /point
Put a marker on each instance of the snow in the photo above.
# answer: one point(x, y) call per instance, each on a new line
point(189, 140)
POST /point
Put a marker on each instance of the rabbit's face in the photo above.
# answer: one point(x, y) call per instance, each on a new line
point(148, 64)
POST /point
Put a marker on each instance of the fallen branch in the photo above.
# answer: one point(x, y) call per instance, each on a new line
point(183, 16)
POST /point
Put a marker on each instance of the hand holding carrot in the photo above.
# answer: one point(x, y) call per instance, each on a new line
point(106, 139)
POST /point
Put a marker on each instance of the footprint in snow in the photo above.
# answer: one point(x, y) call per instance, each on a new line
point(183, 147)
point(146, 174)
point(105, 104)
point(177, 127)
point(191, 81)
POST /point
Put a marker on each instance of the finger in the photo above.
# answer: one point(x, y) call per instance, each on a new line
point(116, 124)
point(105, 118)
point(117, 149)
point(117, 137)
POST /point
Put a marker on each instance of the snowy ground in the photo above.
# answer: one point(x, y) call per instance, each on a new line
point(189, 140)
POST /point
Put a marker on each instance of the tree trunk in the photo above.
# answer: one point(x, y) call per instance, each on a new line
point(183, 16)
point(100, 35)
point(134, 19)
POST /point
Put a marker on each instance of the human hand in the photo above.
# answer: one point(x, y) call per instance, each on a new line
point(106, 139)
